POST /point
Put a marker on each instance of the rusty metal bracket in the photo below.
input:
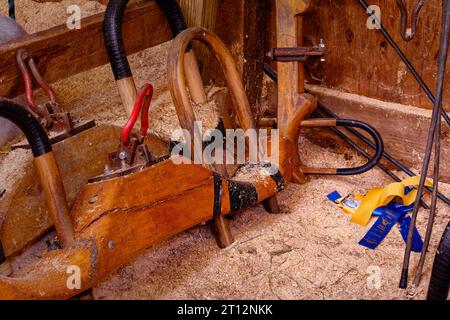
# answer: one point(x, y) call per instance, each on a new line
point(130, 157)
point(49, 113)
point(297, 54)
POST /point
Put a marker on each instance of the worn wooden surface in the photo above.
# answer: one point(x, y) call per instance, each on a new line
point(118, 218)
point(23, 210)
point(360, 61)
point(60, 52)
point(201, 13)
point(240, 26)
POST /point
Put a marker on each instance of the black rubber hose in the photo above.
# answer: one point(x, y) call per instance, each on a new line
point(12, 9)
point(30, 126)
point(359, 149)
point(379, 147)
point(112, 32)
point(112, 35)
point(440, 275)
point(273, 75)
point(174, 15)
point(2, 254)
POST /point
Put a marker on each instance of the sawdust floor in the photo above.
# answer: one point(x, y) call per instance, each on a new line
point(309, 251)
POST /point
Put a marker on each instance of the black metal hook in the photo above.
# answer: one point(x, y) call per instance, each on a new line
point(404, 31)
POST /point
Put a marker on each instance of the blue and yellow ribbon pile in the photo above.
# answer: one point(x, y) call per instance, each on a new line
point(391, 204)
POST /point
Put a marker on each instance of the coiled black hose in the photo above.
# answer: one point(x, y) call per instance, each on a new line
point(379, 147)
point(112, 35)
point(440, 276)
point(30, 126)
point(174, 15)
point(112, 32)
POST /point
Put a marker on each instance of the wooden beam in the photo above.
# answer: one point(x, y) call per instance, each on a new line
point(241, 25)
point(60, 52)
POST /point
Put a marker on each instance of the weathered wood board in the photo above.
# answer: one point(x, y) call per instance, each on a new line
point(360, 61)
point(60, 52)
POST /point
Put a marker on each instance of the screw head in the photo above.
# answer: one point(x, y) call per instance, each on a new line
point(122, 155)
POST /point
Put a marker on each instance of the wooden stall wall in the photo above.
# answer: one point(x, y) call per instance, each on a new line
point(360, 61)
point(363, 78)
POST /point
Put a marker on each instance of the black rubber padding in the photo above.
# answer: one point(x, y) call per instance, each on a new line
point(440, 275)
point(277, 177)
point(174, 15)
point(220, 127)
point(379, 147)
point(217, 210)
point(2, 254)
point(30, 126)
point(112, 35)
point(242, 195)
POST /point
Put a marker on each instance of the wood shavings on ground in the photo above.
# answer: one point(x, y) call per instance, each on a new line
point(309, 251)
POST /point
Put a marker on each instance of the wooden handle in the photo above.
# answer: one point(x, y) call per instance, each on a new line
point(128, 93)
point(194, 78)
point(51, 182)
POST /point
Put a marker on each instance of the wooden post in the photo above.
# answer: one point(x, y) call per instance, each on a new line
point(293, 103)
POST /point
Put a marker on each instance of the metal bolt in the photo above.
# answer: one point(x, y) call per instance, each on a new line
point(111, 244)
point(321, 43)
point(93, 200)
point(122, 155)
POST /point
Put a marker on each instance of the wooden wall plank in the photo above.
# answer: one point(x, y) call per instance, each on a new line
point(60, 52)
point(360, 61)
point(241, 25)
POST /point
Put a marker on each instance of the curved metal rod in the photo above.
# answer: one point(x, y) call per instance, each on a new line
point(408, 36)
point(432, 131)
point(379, 147)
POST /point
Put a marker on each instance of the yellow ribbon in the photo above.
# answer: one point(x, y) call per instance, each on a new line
point(379, 197)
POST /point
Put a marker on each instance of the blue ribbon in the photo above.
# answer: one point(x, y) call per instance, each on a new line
point(388, 216)
point(417, 242)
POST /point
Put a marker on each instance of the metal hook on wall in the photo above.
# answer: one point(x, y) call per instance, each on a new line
point(409, 33)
